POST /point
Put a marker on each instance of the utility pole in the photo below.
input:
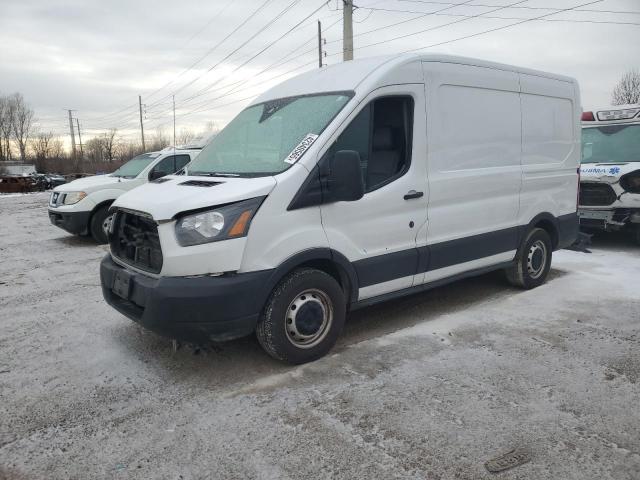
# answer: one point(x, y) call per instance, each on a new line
point(347, 30)
point(174, 123)
point(80, 140)
point(73, 137)
point(319, 44)
point(141, 124)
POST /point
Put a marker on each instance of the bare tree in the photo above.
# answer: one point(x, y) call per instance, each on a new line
point(159, 140)
point(22, 124)
point(57, 148)
point(94, 149)
point(42, 145)
point(110, 144)
point(185, 136)
point(7, 112)
point(627, 90)
point(23, 117)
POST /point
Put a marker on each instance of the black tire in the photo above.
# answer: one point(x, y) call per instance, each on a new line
point(96, 224)
point(533, 260)
point(309, 294)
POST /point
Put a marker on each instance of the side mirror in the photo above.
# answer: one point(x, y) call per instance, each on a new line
point(156, 174)
point(343, 180)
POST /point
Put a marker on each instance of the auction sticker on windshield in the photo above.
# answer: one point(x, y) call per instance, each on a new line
point(302, 147)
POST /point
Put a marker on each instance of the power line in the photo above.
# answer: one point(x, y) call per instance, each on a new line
point(568, 20)
point(441, 26)
point(212, 49)
point(203, 90)
point(521, 7)
point(273, 20)
point(424, 14)
point(500, 28)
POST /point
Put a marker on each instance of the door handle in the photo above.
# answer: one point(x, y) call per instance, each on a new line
point(412, 194)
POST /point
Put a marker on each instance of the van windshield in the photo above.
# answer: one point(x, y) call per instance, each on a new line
point(267, 138)
point(133, 167)
point(611, 144)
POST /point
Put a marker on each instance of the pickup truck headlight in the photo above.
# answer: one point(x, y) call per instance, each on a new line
point(631, 182)
point(217, 223)
point(74, 197)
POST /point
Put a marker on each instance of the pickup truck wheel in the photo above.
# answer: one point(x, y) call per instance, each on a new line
point(98, 224)
point(303, 317)
point(533, 260)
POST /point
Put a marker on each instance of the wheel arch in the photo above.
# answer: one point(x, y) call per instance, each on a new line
point(103, 203)
point(548, 223)
point(325, 259)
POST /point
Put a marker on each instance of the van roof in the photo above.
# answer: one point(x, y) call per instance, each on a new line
point(348, 76)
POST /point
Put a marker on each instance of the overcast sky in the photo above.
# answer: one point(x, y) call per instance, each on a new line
point(96, 57)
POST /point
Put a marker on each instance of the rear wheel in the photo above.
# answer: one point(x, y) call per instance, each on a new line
point(100, 223)
point(533, 260)
point(303, 317)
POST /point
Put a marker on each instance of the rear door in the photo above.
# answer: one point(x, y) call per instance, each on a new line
point(474, 167)
point(378, 232)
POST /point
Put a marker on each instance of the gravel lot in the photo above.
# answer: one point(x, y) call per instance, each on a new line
point(430, 386)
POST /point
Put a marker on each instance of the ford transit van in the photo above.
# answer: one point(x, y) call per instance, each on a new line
point(348, 186)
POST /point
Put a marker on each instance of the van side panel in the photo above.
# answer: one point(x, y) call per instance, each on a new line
point(474, 140)
point(550, 147)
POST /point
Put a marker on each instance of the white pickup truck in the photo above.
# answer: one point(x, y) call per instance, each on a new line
point(610, 170)
point(81, 207)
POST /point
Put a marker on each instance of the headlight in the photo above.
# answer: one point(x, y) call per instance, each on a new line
point(631, 182)
point(73, 197)
point(215, 224)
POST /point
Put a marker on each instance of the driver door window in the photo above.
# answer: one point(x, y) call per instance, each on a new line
point(169, 165)
point(381, 134)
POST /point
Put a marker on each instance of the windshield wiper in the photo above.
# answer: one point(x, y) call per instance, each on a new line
point(214, 174)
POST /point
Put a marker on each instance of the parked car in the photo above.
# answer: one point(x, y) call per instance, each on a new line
point(348, 186)
point(610, 171)
point(82, 206)
point(47, 181)
point(17, 184)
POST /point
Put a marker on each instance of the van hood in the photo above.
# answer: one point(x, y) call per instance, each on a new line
point(606, 172)
point(90, 184)
point(171, 195)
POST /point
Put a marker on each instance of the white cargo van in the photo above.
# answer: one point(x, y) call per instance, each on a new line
point(348, 186)
point(610, 172)
point(82, 207)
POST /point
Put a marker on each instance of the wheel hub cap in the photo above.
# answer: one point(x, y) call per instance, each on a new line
point(537, 259)
point(309, 318)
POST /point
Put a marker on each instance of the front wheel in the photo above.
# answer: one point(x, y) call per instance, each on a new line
point(533, 260)
point(303, 317)
point(99, 224)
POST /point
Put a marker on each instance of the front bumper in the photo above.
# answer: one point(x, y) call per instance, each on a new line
point(195, 309)
point(611, 219)
point(73, 222)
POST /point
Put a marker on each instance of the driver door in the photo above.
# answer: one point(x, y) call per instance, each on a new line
point(379, 232)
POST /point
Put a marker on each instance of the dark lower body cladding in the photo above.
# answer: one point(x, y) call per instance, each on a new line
point(196, 309)
point(73, 222)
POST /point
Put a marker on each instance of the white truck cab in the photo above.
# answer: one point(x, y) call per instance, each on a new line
point(81, 207)
point(348, 186)
point(610, 170)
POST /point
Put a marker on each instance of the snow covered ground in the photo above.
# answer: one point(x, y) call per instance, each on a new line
point(430, 386)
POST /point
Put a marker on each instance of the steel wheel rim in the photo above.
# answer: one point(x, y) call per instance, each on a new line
point(537, 259)
point(297, 329)
point(106, 224)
